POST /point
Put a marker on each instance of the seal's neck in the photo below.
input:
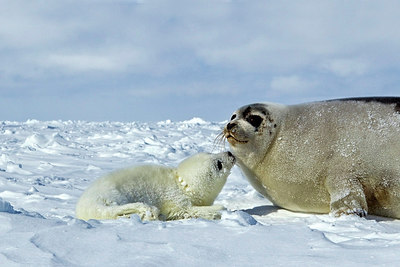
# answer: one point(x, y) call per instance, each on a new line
point(256, 152)
point(196, 198)
point(183, 184)
point(249, 157)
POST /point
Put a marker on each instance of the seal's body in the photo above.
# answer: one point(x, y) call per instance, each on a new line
point(158, 192)
point(338, 156)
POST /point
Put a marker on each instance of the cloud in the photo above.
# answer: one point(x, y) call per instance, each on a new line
point(123, 60)
point(291, 84)
point(199, 49)
point(347, 67)
point(84, 62)
point(268, 37)
point(277, 36)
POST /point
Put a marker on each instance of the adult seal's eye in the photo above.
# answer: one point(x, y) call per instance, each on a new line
point(254, 120)
point(233, 117)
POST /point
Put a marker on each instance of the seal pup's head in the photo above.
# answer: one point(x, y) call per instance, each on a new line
point(203, 175)
point(251, 130)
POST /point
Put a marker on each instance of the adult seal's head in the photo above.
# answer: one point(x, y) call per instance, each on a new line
point(252, 129)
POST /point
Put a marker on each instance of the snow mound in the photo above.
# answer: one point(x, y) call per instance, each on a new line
point(36, 141)
point(239, 218)
point(195, 120)
point(5, 206)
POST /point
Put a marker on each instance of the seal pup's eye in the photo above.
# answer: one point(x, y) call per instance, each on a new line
point(233, 117)
point(219, 165)
point(254, 120)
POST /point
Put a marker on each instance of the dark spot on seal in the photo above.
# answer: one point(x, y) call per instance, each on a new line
point(387, 100)
point(274, 125)
point(254, 120)
point(219, 165)
point(257, 106)
point(261, 108)
point(246, 112)
point(397, 108)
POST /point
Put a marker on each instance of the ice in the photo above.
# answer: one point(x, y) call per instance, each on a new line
point(45, 166)
point(5, 206)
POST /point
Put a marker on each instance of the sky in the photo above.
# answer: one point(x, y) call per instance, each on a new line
point(123, 60)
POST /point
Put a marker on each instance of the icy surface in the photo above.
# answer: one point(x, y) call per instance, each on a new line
point(45, 166)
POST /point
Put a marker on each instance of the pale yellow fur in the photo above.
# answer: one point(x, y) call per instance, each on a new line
point(158, 192)
point(341, 157)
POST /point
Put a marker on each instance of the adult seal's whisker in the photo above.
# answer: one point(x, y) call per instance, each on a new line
point(219, 141)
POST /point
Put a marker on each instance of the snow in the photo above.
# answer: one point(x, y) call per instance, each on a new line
point(45, 166)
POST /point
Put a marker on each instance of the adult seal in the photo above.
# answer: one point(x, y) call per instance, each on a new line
point(339, 156)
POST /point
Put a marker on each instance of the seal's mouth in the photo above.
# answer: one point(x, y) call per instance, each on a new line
point(233, 140)
point(229, 135)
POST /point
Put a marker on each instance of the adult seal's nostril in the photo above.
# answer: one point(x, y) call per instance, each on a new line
point(230, 154)
point(229, 126)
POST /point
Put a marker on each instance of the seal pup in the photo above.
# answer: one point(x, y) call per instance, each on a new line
point(340, 156)
point(158, 192)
